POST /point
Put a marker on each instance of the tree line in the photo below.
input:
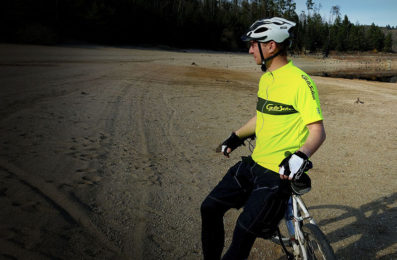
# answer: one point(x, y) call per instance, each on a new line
point(341, 35)
point(203, 24)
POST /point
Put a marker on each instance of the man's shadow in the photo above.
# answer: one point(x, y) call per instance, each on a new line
point(375, 224)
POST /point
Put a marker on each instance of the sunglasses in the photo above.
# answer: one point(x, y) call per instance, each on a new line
point(251, 44)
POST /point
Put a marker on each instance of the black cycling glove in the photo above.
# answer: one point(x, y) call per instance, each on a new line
point(294, 165)
point(232, 142)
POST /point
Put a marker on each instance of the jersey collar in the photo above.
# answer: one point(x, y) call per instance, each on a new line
point(282, 68)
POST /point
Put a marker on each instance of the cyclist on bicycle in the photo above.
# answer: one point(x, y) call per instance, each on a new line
point(288, 128)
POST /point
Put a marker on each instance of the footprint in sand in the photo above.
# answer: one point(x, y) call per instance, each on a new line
point(90, 180)
point(89, 176)
point(86, 148)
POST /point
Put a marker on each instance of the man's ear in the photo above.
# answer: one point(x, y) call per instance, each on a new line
point(273, 47)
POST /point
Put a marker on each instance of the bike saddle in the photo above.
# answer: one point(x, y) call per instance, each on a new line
point(302, 185)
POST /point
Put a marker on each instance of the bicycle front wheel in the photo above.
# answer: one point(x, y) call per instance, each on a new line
point(317, 245)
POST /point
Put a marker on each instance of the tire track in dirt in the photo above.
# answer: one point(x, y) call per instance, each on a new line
point(141, 168)
point(60, 201)
point(160, 143)
point(10, 251)
point(179, 145)
point(137, 249)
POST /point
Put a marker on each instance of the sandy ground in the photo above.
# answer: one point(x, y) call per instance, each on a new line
point(107, 153)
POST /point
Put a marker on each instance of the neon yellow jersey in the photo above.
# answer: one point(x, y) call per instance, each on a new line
point(287, 102)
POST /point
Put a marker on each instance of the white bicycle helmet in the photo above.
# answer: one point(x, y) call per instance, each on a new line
point(265, 30)
point(273, 29)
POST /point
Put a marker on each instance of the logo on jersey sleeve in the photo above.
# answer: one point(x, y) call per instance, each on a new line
point(309, 84)
point(274, 108)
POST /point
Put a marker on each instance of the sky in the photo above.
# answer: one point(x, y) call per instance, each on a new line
point(365, 12)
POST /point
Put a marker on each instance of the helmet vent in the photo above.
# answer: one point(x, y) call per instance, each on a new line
point(260, 30)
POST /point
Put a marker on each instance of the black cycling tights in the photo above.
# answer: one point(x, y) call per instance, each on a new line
point(213, 234)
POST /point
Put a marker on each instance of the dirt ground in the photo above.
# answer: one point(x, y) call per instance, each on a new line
point(107, 153)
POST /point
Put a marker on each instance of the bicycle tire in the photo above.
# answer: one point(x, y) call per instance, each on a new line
point(317, 245)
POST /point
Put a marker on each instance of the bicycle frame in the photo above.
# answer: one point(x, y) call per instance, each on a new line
point(300, 214)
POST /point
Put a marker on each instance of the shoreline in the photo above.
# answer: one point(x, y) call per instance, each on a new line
point(365, 66)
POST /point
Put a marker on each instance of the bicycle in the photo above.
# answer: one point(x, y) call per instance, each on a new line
point(305, 238)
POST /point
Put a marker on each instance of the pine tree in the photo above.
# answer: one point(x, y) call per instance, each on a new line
point(388, 43)
point(375, 38)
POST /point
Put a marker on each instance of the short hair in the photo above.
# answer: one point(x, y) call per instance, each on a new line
point(283, 47)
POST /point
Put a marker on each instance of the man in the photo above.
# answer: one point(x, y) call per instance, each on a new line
point(288, 128)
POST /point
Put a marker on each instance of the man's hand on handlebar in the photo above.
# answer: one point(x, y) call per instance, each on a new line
point(231, 143)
